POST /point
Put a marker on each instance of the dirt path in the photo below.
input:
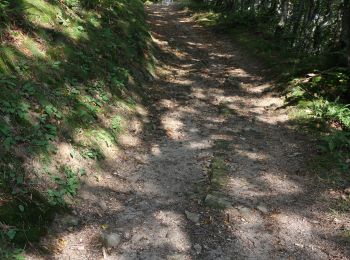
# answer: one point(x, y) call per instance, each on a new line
point(210, 114)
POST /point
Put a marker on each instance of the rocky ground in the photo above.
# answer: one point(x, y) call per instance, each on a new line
point(219, 174)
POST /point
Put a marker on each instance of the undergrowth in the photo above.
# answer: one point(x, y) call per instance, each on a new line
point(67, 71)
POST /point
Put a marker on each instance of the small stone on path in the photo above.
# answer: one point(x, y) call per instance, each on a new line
point(70, 220)
point(110, 239)
point(262, 208)
point(216, 202)
point(198, 248)
point(103, 205)
point(245, 212)
point(192, 216)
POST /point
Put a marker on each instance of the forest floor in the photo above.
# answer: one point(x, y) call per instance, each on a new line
point(222, 174)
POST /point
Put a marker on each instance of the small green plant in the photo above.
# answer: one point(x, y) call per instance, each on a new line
point(93, 153)
point(337, 147)
point(332, 111)
point(5, 133)
point(4, 6)
point(344, 205)
point(339, 141)
point(65, 187)
point(116, 124)
point(7, 252)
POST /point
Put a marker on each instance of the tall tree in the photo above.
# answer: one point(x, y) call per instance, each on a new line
point(346, 28)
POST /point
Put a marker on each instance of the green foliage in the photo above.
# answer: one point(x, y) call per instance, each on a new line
point(116, 124)
point(65, 187)
point(24, 213)
point(337, 145)
point(35, 99)
point(4, 9)
point(93, 153)
point(343, 206)
point(8, 253)
point(63, 66)
point(332, 111)
point(323, 96)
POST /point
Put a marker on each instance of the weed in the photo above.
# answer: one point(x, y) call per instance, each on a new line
point(93, 153)
point(116, 124)
point(65, 187)
point(344, 206)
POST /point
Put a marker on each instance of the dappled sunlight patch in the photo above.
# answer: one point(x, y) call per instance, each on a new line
point(263, 88)
point(141, 110)
point(242, 183)
point(9, 58)
point(247, 188)
point(199, 93)
point(201, 144)
point(254, 156)
point(220, 55)
point(159, 42)
point(173, 126)
point(282, 184)
point(182, 82)
point(277, 118)
point(207, 18)
point(239, 73)
point(27, 46)
point(167, 103)
point(273, 102)
point(155, 150)
point(128, 140)
point(293, 227)
point(40, 12)
point(77, 34)
point(234, 107)
point(173, 232)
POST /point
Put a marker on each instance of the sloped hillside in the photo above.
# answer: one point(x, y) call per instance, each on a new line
point(70, 74)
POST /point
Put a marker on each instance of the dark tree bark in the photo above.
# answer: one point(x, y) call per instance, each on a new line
point(346, 36)
point(347, 28)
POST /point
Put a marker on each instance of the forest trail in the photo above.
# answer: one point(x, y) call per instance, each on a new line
point(211, 114)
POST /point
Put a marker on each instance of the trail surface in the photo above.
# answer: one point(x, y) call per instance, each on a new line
point(210, 111)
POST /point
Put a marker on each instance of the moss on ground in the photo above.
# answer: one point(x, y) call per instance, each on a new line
point(218, 177)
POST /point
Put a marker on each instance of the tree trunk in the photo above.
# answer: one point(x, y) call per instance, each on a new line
point(346, 28)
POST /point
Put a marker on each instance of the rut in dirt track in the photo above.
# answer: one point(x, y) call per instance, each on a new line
point(210, 101)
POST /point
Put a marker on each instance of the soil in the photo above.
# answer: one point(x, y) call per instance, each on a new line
point(210, 108)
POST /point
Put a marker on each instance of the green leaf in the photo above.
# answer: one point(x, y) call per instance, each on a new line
point(11, 234)
point(21, 208)
point(8, 143)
